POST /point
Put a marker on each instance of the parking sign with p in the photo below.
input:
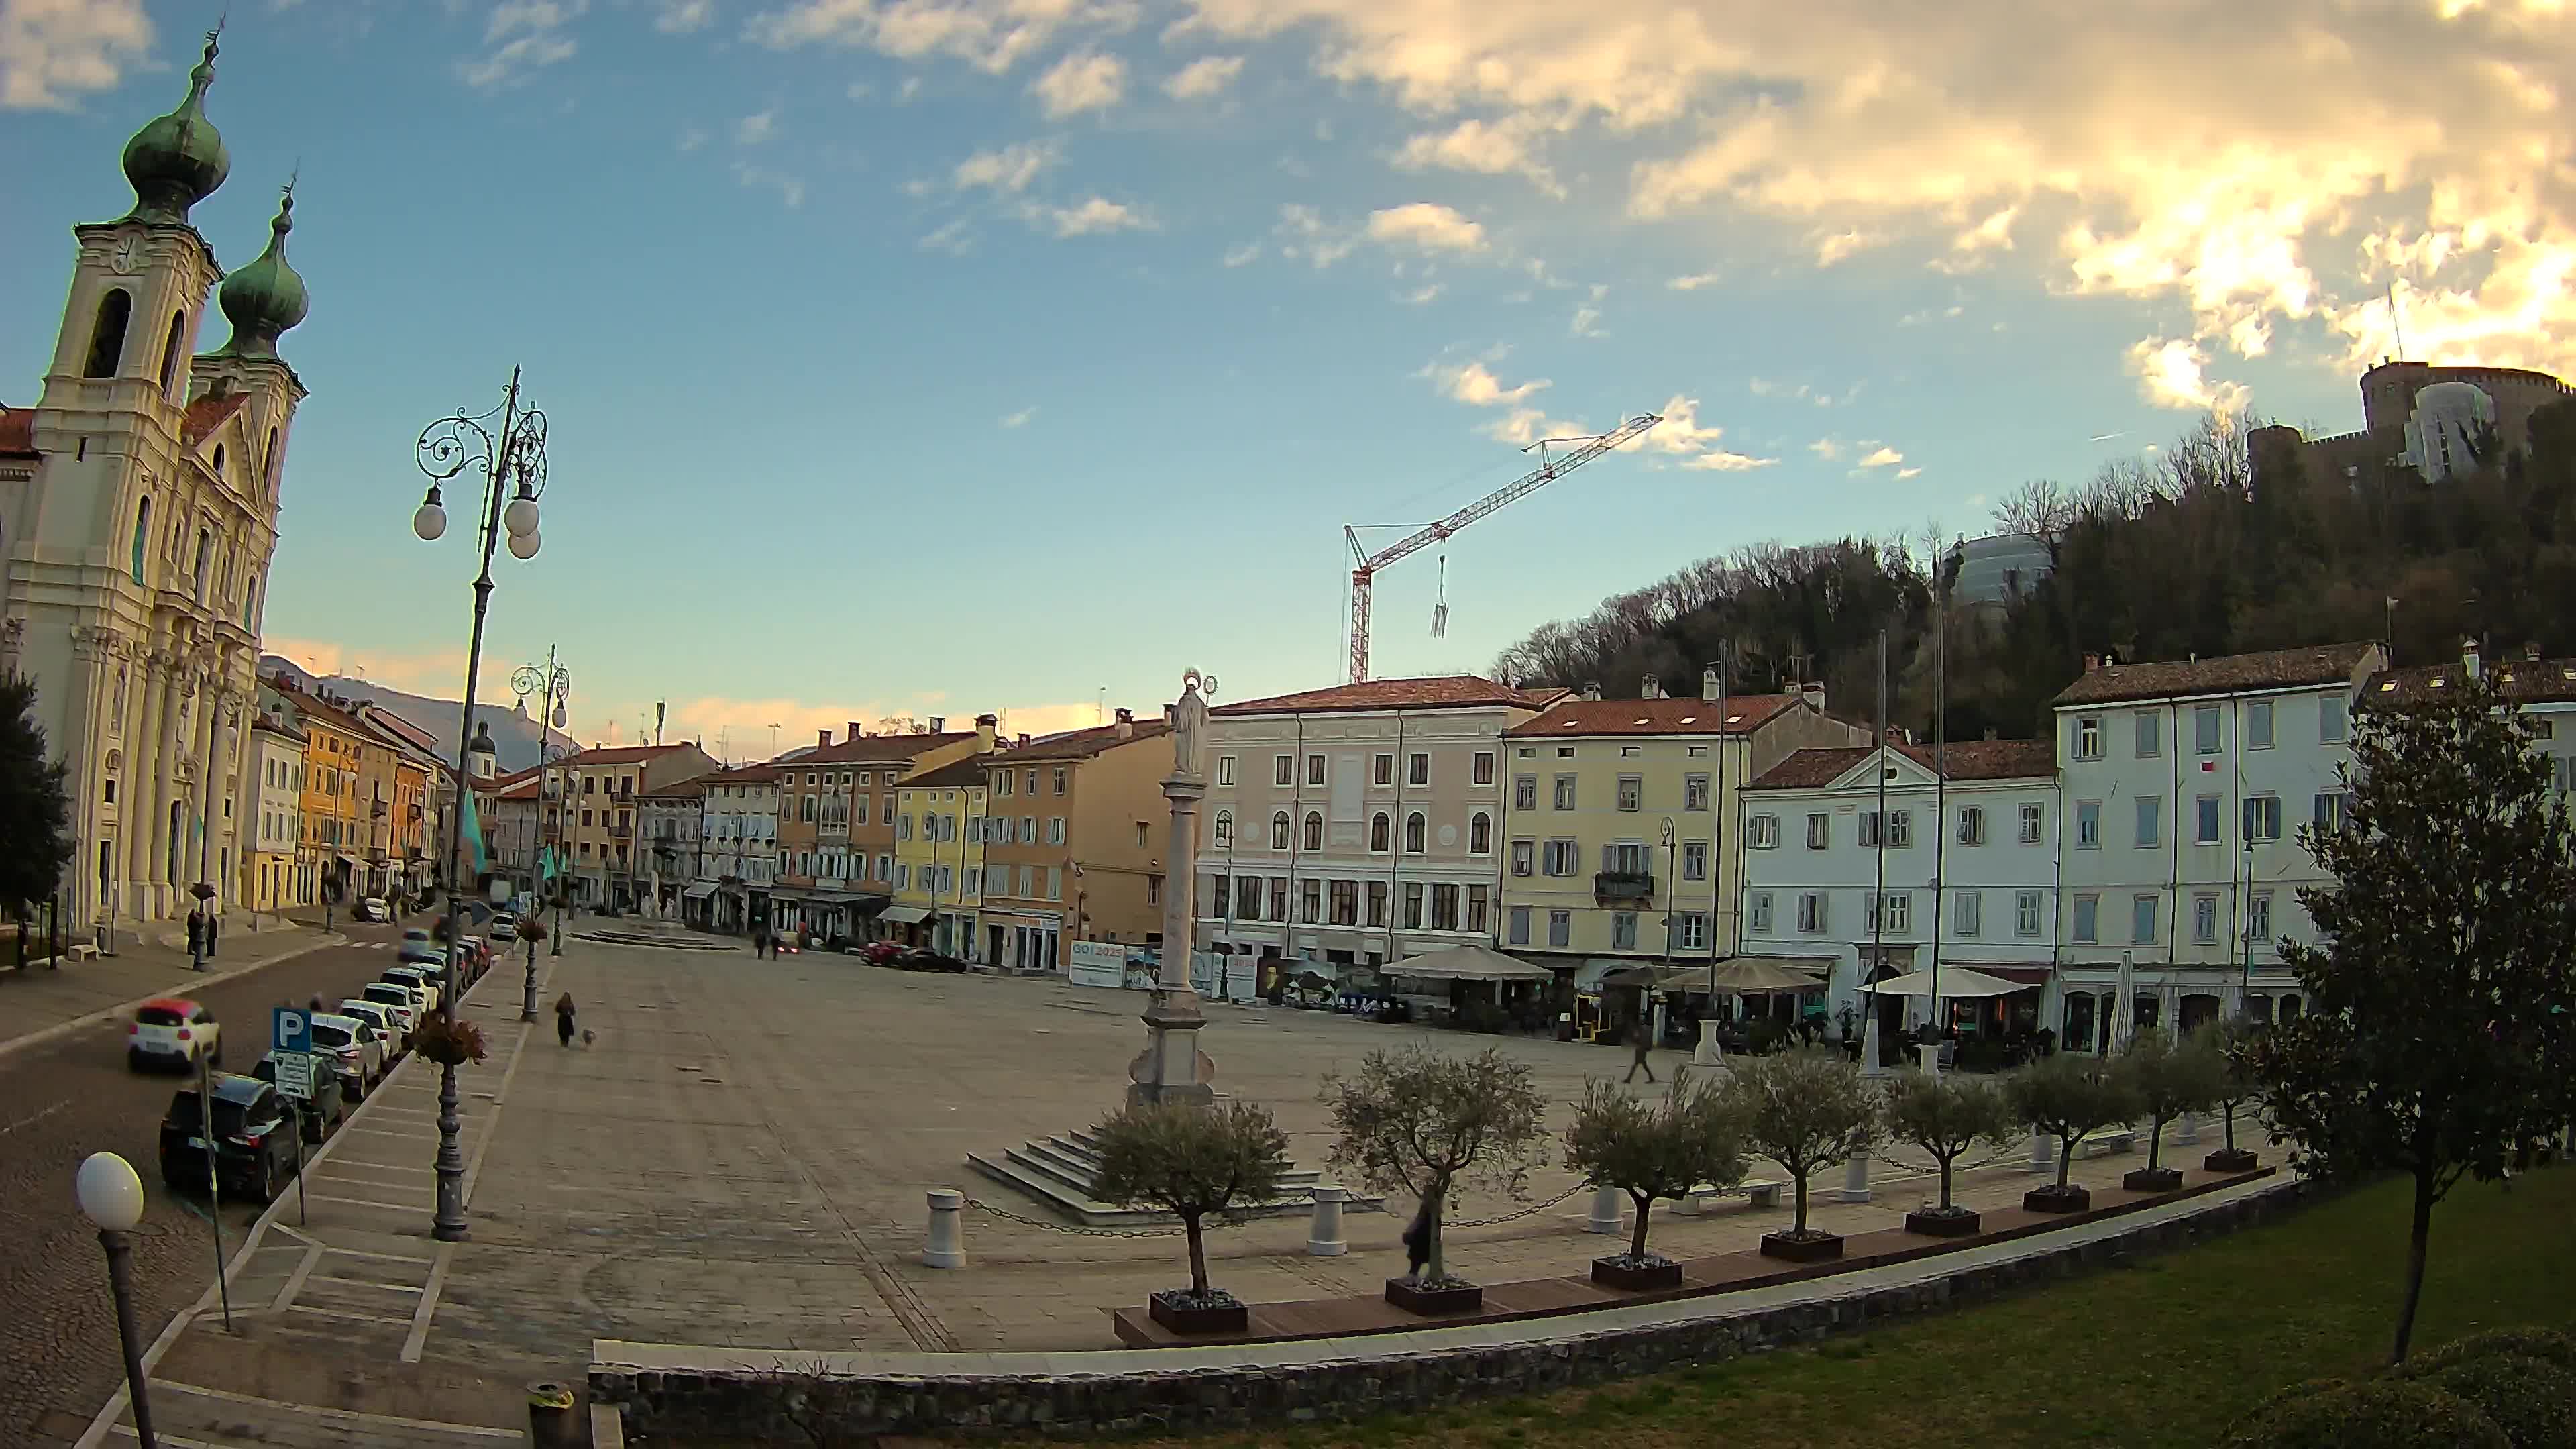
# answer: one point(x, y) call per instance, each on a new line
point(290, 1029)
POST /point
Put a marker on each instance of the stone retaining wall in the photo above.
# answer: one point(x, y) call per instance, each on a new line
point(802, 1396)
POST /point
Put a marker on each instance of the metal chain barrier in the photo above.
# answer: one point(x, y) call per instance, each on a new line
point(1535, 1207)
point(1030, 1222)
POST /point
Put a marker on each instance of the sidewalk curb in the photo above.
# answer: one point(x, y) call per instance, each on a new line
point(62, 1029)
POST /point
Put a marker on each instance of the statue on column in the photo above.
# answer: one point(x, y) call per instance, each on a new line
point(1189, 722)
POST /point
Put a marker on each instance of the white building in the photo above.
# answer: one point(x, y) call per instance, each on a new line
point(1343, 825)
point(738, 849)
point(2545, 689)
point(278, 870)
point(2185, 784)
point(1961, 868)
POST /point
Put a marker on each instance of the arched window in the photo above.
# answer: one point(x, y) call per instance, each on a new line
point(250, 608)
point(1279, 831)
point(107, 334)
point(1225, 830)
point(268, 461)
point(142, 534)
point(1314, 830)
point(1480, 834)
point(170, 351)
point(205, 557)
point(219, 460)
point(1378, 831)
point(1413, 833)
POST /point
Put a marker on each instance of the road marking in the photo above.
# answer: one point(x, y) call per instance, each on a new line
point(177, 1441)
point(381, 1257)
point(366, 1283)
point(295, 1280)
point(379, 1167)
point(380, 1132)
point(427, 1308)
point(398, 1207)
point(336, 1313)
point(31, 1121)
point(344, 1416)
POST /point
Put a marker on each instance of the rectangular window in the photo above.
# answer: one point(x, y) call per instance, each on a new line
point(1762, 832)
point(1382, 769)
point(1900, 829)
point(2151, 734)
point(1623, 930)
point(1693, 932)
point(2258, 725)
point(2026, 913)
point(1757, 912)
point(1279, 898)
point(1055, 830)
point(2088, 911)
point(2087, 744)
point(1524, 856)
point(1632, 793)
point(1524, 789)
point(1224, 770)
point(1820, 831)
point(2330, 807)
point(1972, 825)
point(2204, 919)
point(1520, 935)
point(1694, 792)
point(1283, 770)
point(1560, 928)
point(2088, 824)
point(1900, 912)
point(1413, 905)
point(2204, 824)
point(1346, 903)
point(1812, 915)
point(1314, 769)
point(2034, 821)
point(2151, 819)
point(1565, 792)
point(1870, 832)
point(1059, 780)
point(1055, 883)
point(1484, 767)
point(2258, 916)
point(1247, 897)
point(1695, 860)
point(2205, 729)
point(2333, 720)
point(1377, 903)
point(1310, 901)
point(1967, 913)
point(1444, 907)
point(1563, 857)
point(1417, 770)
point(2263, 817)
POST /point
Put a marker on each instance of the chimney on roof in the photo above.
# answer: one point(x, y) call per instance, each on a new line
point(986, 725)
point(1651, 687)
point(854, 731)
point(938, 724)
point(1814, 695)
point(2469, 657)
point(2531, 652)
point(1712, 686)
point(822, 739)
point(2092, 663)
point(1592, 689)
point(1126, 724)
point(1023, 742)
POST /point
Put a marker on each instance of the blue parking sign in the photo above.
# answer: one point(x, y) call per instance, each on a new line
point(290, 1029)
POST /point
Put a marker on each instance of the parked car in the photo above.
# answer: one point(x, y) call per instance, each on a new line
point(374, 908)
point(505, 927)
point(172, 1031)
point(323, 1112)
point(254, 1155)
point(357, 1049)
point(478, 952)
point(425, 979)
point(406, 1003)
point(416, 945)
point(381, 1017)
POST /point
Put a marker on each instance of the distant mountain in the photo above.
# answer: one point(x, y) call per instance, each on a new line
point(515, 737)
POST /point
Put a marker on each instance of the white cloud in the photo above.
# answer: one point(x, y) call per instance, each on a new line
point(992, 35)
point(1427, 225)
point(951, 236)
point(1019, 419)
point(1907, 472)
point(1693, 282)
point(679, 17)
point(1488, 147)
point(790, 189)
point(1586, 322)
point(1092, 217)
point(1203, 77)
point(1881, 456)
point(1244, 255)
point(1421, 295)
point(1009, 169)
point(691, 138)
point(1085, 81)
point(1680, 435)
point(523, 36)
point(1522, 422)
point(1305, 236)
point(1834, 246)
point(2172, 373)
point(53, 51)
point(753, 129)
point(1826, 448)
point(1725, 462)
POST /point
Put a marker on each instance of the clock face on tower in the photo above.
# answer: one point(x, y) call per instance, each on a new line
point(128, 256)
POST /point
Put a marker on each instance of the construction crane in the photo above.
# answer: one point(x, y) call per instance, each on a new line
point(1366, 564)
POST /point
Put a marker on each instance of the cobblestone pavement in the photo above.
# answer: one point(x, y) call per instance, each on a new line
point(63, 1099)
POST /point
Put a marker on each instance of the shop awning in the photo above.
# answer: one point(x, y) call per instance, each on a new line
point(1467, 963)
point(1753, 975)
point(904, 915)
point(699, 892)
point(1956, 982)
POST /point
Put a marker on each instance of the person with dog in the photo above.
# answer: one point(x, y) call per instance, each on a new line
point(563, 1019)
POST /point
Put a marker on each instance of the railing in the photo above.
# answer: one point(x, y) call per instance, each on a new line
point(1624, 885)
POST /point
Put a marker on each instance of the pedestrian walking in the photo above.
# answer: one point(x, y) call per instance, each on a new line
point(1642, 1037)
point(563, 1019)
point(1417, 1240)
point(211, 920)
point(315, 1005)
point(197, 931)
point(760, 943)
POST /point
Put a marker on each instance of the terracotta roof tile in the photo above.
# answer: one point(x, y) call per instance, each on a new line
point(1739, 714)
point(745, 775)
point(1083, 744)
point(2532, 681)
point(1445, 691)
point(619, 754)
point(956, 773)
point(17, 432)
point(878, 749)
point(2272, 669)
point(207, 414)
point(1964, 760)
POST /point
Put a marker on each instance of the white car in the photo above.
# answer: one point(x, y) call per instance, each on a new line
point(373, 908)
point(408, 1004)
point(356, 1047)
point(505, 927)
point(423, 979)
point(173, 1031)
point(381, 1017)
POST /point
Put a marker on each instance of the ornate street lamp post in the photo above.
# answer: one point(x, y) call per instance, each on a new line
point(554, 682)
point(513, 463)
point(111, 1197)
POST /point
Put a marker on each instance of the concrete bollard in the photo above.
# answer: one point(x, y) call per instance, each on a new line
point(2188, 1132)
point(1931, 1061)
point(947, 1230)
point(1605, 1211)
point(1855, 1186)
point(1869, 1066)
point(2043, 1152)
point(1324, 1235)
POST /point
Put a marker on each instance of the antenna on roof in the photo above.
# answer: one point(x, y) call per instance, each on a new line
point(2396, 323)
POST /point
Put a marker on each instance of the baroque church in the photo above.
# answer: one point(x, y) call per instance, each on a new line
point(138, 518)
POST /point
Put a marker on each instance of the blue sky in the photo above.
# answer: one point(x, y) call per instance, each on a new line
point(948, 355)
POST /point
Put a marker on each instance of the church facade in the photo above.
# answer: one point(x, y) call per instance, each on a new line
point(138, 520)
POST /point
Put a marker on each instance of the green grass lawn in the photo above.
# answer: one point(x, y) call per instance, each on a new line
point(2164, 1352)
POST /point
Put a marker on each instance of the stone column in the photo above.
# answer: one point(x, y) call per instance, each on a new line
point(139, 794)
point(2043, 1152)
point(1604, 1217)
point(1172, 1068)
point(1324, 1235)
point(196, 830)
point(1855, 1186)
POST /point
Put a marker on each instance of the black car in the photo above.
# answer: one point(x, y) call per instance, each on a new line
point(254, 1152)
point(325, 1110)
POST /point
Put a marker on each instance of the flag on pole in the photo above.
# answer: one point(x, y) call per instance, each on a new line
point(473, 832)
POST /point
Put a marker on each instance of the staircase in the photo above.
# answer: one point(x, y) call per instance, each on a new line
point(1059, 1173)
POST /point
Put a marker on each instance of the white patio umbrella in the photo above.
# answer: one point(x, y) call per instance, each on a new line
point(1956, 982)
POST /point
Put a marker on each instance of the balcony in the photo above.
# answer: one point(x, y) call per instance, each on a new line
point(1623, 885)
point(621, 832)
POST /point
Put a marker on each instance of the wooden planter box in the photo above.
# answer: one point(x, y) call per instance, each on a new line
point(1632, 1277)
point(1934, 1223)
point(1817, 1248)
point(2230, 1159)
point(1412, 1297)
point(1183, 1317)
point(2152, 1179)
point(2071, 1198)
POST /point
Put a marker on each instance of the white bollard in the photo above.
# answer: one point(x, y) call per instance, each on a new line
point(1855, 1186)
point(947, 1234)
point(1869, 1066)
point(1324, 1235)
point(1605, 1211)
point(2188, 1132)
point(1708, 1052)
point(1931, 1060)
point(2043, 1152)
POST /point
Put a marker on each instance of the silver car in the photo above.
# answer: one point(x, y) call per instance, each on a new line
point(357, 1048)
point(381, 1017)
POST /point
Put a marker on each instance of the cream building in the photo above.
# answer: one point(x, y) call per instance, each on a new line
point(279, 877)
point(138, 516)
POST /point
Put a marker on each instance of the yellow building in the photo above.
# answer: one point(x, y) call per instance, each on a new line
point(939, 855)
point(1074, 850)
point(276, 874)
point(1623, 840)
point(335, 835)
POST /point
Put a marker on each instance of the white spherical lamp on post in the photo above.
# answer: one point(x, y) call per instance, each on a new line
point(111, 1197)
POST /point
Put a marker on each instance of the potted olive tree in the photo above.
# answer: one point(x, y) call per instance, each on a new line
point(1191, 1161)
point(1651, 1151)
point(1415, 1121)
point(1807, 1111)
point(2169, 1077)
point(1947, 1115)
point(2232, 1041)
point(2069, 1097)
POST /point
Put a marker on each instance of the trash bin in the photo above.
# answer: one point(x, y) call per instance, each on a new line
point(1565, 1026)
point(550, 1417)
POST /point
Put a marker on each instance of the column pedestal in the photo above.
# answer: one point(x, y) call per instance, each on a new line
point(1707, 1053)
point(1172, 1068)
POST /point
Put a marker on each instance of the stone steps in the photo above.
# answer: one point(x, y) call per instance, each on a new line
point(1059, 1173)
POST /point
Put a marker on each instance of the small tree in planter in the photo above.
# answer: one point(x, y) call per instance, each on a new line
point(1806, 1111)
point(2232, 1041)
point(448, 1040)
point(1191, 1161)
point(2070, 1098)
point(1652, 1151)
point(1415, 1121)
point(1946, 1116)
point(2170, 1077)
